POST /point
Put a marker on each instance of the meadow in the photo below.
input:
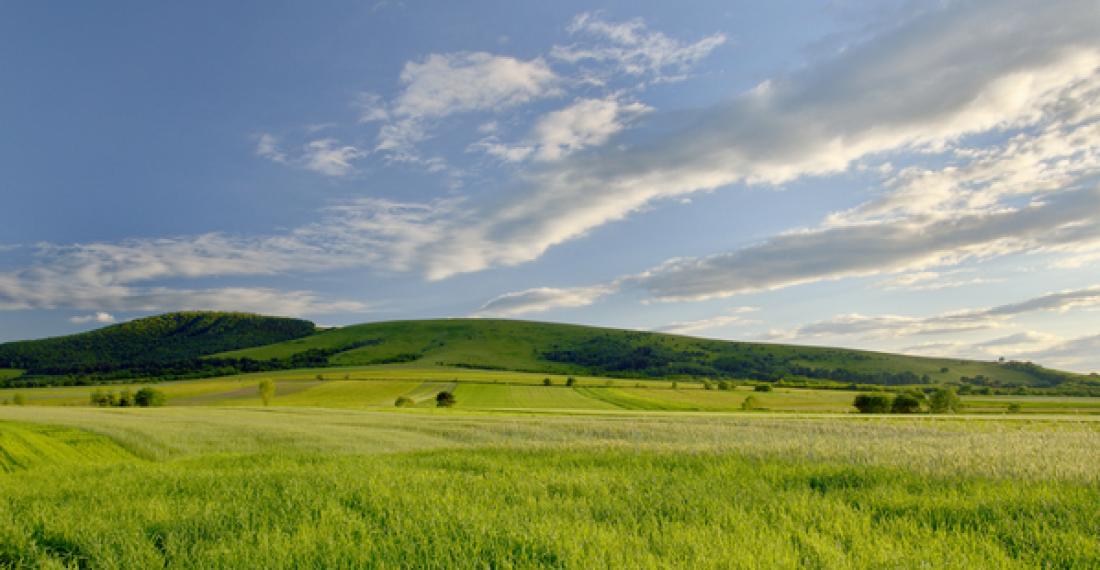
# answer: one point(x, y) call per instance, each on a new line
point(290, 487)
point(520, 474)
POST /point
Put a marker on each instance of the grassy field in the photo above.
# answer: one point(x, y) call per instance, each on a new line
point(293, 487)
point(380, 386)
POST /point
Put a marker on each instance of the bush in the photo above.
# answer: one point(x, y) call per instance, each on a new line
point(905, 404)
point(675, 385)
point(762, 388)
point(547, 382)
point(102, 399)
point(724, 386)
point(571, 381)
point(944, 401)
point(873, 403)
point(125, 399)
point(444, 400)
point(403, 402)
point(267, 390)
point(149, 397)
point(750, 403)
point(18, 400)
point(708, 385)
point(1014, 408)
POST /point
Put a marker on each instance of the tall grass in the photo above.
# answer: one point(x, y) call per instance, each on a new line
point(280, 488)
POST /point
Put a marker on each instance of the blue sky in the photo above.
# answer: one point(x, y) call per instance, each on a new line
point(905, 176)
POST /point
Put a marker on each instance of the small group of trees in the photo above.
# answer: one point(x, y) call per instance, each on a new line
point(940, 401)
point(445, 399)
point(144, 398)
point(16, 400)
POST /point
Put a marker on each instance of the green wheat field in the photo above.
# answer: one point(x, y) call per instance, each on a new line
point(605, 473)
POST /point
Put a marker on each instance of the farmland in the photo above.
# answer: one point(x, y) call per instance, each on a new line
point(284, 487)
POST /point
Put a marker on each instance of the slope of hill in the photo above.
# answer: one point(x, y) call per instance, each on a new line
point(162, 339)
point(574, 349)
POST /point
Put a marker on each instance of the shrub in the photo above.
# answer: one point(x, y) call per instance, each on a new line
point(708, 385)
point(18, 400)
point(675, 385)
point(571, 381)
point(944, 401)
point(762, 388)
point(750, 403)
point(723, 385)
point(873, 403)
point(101, 398)
point(444, 400)
point(547, 382)
point(149, 397)
point(1014, 408)
point(403, 402)
point(905, 404)
point(267, 390)
point(125, 399)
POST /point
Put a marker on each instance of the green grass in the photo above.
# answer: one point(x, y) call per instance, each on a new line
point(8, 373)
point(379, 386)
point(500, 396)
point(287, 487)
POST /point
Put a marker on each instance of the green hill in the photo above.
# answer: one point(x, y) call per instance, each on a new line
point(574, 349)
point(158, 340)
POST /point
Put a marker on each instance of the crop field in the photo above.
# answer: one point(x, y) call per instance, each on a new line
point(292, 487)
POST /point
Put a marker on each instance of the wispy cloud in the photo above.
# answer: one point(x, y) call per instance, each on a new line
point(732, 316)
point(631, 48)
point(99, 317)
point(947, 323)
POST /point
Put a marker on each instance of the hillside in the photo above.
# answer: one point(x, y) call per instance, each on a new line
point(163, 339)
point(574, 349)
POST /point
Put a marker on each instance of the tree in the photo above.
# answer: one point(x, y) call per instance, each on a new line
point(723, 385)
point(905, 404)
point(872, 403)
point(547, 382)
point(267, 390)
point(571, 381)
point(944, 401)
point(18, 400)
point(708, 385)
point(125, 399)
point(149, 397)
point(750, 403)
point(444, 400)
point(762, 388)
point(675, 385)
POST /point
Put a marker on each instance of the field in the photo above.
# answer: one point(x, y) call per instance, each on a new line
point(292, 487)
point(379, 387)
point(606, 472)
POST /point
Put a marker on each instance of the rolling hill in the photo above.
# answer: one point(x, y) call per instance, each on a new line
point(189, 345)
point(169, 338)
point(574, 349)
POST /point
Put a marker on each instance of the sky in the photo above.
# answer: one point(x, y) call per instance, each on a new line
point(920, 177)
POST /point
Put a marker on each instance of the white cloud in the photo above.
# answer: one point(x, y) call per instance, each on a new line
point(267, 146)
point(324, 156)
point(445, 84)
point(584, 123)
point(99, 317)
point(948, 323)
point(630, 47)
point(731, 316)
point(540, 299)
point(328, 157)
point(961, 70)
